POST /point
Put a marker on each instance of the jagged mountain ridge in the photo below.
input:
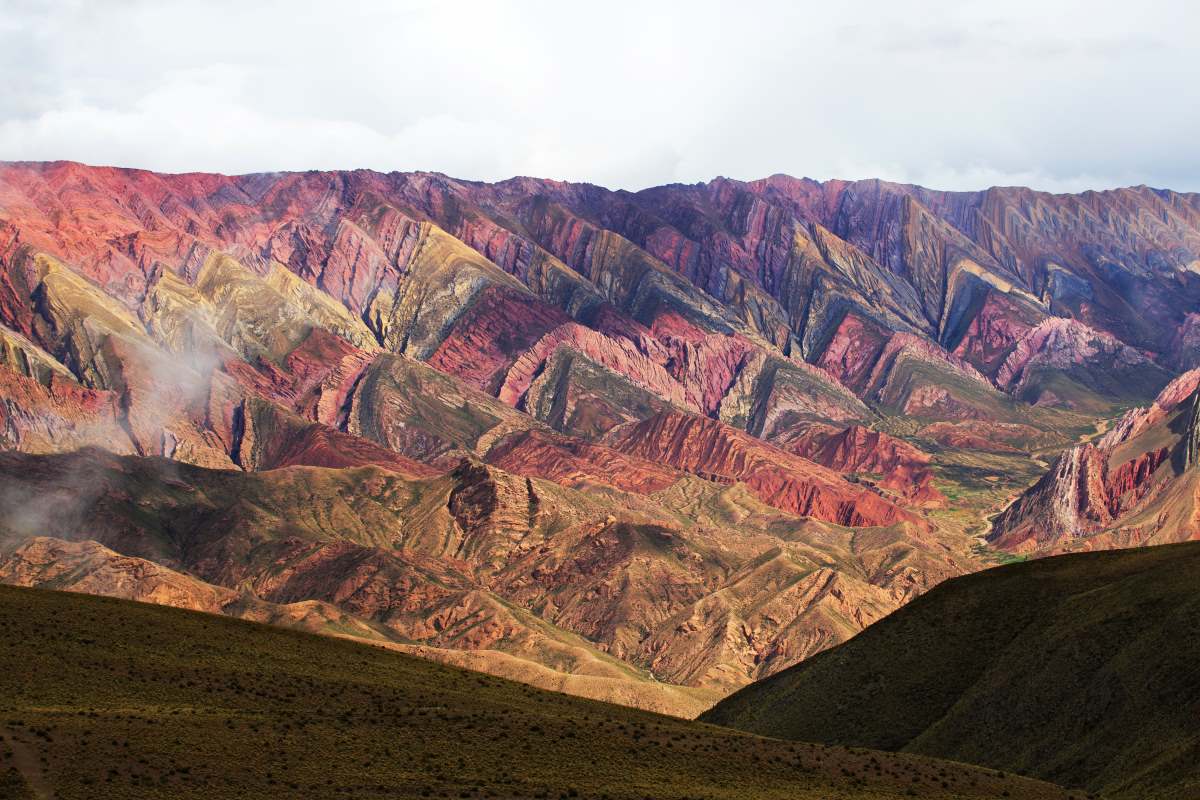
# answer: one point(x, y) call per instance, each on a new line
point(724, 361)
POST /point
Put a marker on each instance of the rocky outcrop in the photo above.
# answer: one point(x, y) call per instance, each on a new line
point(412, 409)
point(879, 366)
point(502, 325)
point(493, 512)
point(853, 352)
point(60, 416)
point(993, 333)
point(1141, 471)
point(580, 397)
point(618, 355)
point(1071, 500)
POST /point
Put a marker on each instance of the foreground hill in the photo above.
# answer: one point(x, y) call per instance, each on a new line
point(1080, 669)
point(109, 698)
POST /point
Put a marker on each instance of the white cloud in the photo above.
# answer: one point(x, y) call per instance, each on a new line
point(1059, 95)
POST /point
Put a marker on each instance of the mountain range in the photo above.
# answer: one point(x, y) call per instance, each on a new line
point(645, 447)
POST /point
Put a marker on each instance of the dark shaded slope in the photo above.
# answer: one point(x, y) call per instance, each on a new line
point(1078, 669)
point(108, 698)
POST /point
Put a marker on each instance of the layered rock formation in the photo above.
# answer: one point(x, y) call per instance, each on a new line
point(1135, 485)
point(718, 452)
point(900, 466)
point(693, 433)
point(517, 570)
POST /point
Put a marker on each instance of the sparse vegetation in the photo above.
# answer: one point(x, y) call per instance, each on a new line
point(1078, 669)
point(125, 700)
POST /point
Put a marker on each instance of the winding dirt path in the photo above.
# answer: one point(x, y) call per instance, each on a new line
point(25, 759)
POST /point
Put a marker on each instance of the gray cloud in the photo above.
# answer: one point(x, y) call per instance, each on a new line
point(1059, 95)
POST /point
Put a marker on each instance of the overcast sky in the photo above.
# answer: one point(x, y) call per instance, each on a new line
point(955, 95)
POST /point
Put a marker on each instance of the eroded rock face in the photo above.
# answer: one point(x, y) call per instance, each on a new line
point(1134, 485)
point(618, 355)
point(63, 415)
point(502, 326)
point(994, 332)
point(1063, 346)
point(854, 351)
point(1070, 501)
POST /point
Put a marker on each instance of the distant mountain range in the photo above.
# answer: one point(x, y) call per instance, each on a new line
point(643, 447)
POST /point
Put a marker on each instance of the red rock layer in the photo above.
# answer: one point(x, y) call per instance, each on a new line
point(707, 367)
point(1129, 483)
point(619, 355)
point(500, 327)
point(572, 462)
point(993, 333)
point(63, 415)
point(1083, 493)
point(862, 355)
point(853, 352)
point(715, 451)
point(903, 468)
point(322, 446)
point(315, 380)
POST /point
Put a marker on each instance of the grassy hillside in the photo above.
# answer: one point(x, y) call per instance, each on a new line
point(1080, 669)
point(103, 697)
